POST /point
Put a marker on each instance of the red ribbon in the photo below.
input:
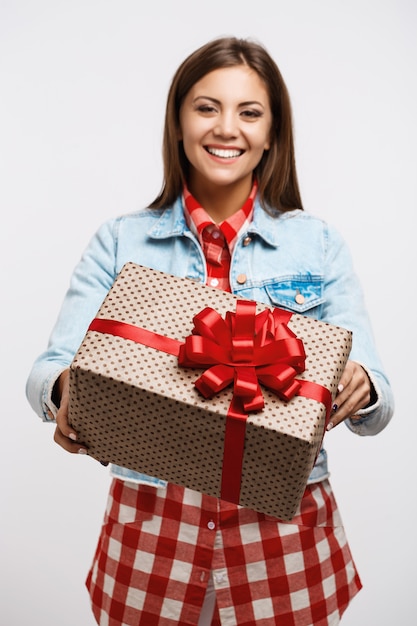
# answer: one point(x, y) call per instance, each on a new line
point(245, 350)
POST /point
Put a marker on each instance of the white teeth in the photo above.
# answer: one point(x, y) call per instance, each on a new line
point(224, 154)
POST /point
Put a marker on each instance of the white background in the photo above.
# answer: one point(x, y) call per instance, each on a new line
point(83, 86)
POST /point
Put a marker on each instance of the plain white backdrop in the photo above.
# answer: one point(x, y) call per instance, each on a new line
point(83, 86)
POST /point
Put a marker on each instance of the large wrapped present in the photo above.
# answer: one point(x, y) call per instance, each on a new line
point(195, 386)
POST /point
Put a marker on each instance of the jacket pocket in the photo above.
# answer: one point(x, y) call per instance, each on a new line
point(300, 294)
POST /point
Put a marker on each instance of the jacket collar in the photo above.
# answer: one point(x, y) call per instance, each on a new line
point(172, 223)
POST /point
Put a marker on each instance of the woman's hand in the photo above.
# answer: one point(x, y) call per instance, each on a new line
point(65, 436)
point(354, 393)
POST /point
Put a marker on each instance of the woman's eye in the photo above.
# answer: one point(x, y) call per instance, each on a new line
point(206, 108)
point(251, 113)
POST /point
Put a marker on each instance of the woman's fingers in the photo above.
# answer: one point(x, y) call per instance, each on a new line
point(68, 443)
point(65, 435)
point(354, 394)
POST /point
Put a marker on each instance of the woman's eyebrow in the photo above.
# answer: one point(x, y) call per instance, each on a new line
point(202, 97)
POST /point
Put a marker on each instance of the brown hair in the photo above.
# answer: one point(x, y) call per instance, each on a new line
point(276, 172)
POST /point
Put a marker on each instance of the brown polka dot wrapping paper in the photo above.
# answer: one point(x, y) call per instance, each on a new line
point(201, 388)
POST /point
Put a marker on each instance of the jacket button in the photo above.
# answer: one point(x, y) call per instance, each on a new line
point(241, 279)
point(299, 298)
point(247, 240)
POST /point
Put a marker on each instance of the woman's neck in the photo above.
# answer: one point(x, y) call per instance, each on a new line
point(220, 202)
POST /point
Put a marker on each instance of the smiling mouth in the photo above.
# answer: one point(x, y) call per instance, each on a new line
point(224, 153)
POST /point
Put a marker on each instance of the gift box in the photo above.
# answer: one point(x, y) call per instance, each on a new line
point(201, 388)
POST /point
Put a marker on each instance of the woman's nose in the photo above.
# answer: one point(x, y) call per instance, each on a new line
point(226, 125)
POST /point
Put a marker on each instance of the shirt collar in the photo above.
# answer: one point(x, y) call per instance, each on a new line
point(198, 219)
point(171, 222)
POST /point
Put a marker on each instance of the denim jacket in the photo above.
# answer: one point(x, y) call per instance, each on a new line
point(279, 256)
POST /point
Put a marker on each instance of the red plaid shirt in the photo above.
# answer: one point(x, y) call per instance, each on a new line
point(217, 240)
point(159, 547)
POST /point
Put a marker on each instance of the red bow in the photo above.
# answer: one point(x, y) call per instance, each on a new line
point(245, 349)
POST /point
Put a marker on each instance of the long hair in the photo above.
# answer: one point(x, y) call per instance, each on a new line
point(276, 172)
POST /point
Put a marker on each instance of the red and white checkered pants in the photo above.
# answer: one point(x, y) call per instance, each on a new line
point(158, 548)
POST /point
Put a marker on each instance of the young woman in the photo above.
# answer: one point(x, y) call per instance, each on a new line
point(229, 215)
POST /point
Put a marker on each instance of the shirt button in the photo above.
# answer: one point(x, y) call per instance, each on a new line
point(214, 282)
point(247, 241)
point(211, 525)
point(215, 234)
point(241, 279)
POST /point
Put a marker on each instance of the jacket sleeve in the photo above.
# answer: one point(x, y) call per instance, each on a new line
point(345, 306)
point(89, 284)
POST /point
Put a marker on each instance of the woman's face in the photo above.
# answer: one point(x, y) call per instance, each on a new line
point(225, 124)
